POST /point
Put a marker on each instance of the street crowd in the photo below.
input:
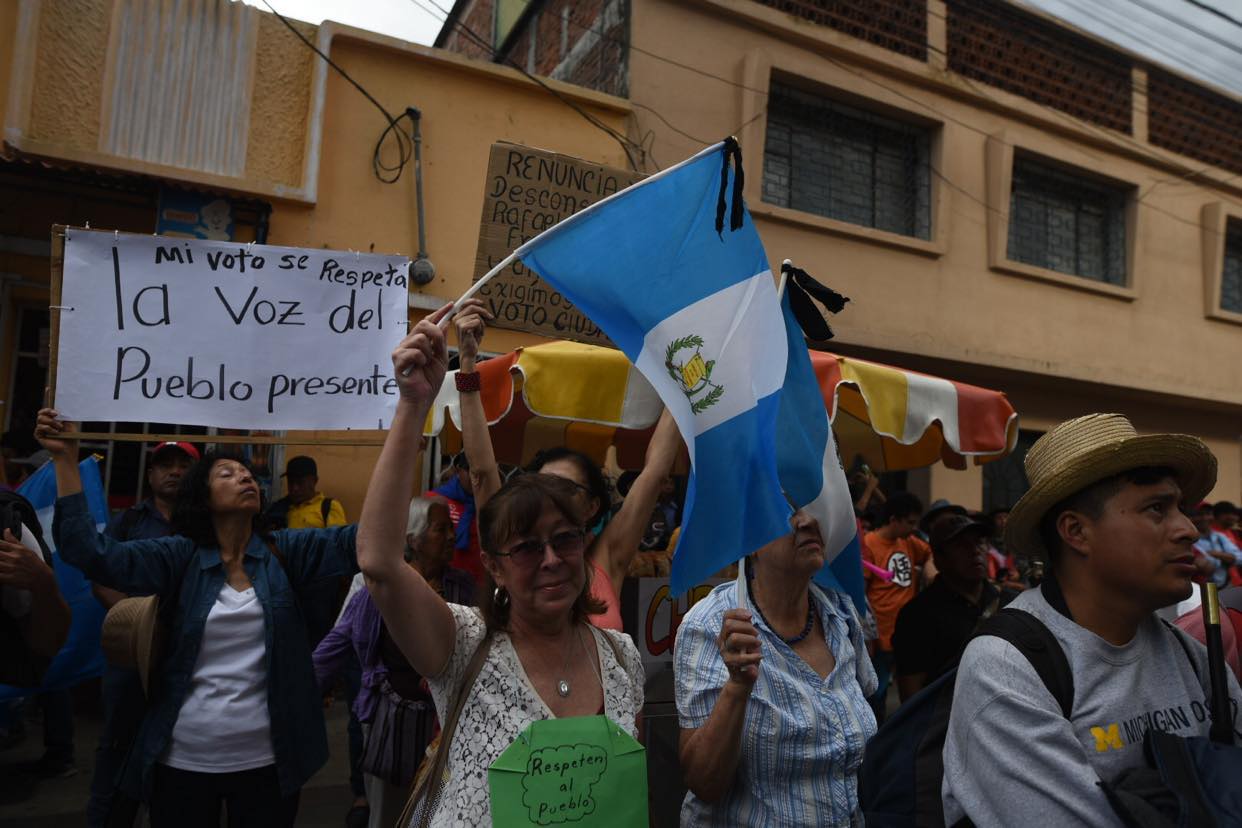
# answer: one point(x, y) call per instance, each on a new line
point(457, 618)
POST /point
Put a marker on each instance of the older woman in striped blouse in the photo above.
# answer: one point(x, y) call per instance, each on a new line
point(772, 679)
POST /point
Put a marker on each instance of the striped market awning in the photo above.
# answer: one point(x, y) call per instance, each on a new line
point(589, 398)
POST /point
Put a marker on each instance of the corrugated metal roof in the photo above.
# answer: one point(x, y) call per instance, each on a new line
point(1187, 37)
point(179, 83)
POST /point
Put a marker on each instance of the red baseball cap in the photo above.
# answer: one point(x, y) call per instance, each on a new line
point(185, 447)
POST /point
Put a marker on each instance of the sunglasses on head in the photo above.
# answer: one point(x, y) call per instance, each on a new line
point(565, 544)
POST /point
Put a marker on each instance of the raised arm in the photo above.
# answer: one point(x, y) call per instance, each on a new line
point(417, 618)
point(64, 452)
point(140, 567)
point(476, 439)
point(618, 544)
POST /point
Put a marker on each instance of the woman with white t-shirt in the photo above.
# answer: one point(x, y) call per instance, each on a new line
point(235, 718)
point(544, 660)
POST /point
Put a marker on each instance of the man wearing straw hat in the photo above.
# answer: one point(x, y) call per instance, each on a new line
point(1103, 510)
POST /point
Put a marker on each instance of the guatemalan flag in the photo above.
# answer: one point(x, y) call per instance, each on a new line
point(693, 304)
point(81, 657)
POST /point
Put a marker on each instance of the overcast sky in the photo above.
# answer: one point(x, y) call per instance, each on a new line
point(399, 18)
point(1177, 33)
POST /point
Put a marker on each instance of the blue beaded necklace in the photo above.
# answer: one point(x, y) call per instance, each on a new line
point(810, 612)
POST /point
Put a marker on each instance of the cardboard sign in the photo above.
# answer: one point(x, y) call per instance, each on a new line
point(154, 329)
point(528, 191)
point(660, 614)
point(579, 771)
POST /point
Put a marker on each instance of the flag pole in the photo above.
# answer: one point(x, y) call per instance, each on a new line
point(1221, 730)
point(780, 286)
point(473, 289)
point(476, 287)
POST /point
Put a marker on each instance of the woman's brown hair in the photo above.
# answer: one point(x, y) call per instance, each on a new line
point(513, 511)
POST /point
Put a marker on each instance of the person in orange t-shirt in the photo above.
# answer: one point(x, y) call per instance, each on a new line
point(894, 548)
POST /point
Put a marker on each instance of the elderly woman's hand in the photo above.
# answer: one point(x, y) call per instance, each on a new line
point(421, 359)
point(22, 568)
point(739, 647)
point(470, 321)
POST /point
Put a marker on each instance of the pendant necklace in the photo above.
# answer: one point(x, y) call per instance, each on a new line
point(562, 686)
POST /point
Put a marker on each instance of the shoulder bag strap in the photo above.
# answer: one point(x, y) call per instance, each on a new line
point(433, 781)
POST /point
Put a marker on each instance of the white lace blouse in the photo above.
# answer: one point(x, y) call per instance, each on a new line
point(501, 705)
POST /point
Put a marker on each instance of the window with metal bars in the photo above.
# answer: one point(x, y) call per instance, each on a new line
point(845, 163)
point(1231, 278)
point(1067, 222)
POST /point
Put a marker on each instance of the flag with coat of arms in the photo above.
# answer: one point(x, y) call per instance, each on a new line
point(687, 294)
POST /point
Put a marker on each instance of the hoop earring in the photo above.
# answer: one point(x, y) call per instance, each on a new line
point(500, 598)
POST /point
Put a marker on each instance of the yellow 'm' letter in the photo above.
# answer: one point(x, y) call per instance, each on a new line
point(1106, 739)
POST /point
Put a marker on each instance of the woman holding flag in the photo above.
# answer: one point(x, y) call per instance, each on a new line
point(527, 653)
point(772, 679)
point(612, 544)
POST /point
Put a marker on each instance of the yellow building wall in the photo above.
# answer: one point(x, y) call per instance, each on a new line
point(466, 107)
point(939, 303)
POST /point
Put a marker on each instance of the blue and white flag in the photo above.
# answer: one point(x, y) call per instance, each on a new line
point(693, 305)
point(81, 657)
point(810, 469)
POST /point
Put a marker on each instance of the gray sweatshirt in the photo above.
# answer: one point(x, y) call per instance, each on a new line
point(1011, 758)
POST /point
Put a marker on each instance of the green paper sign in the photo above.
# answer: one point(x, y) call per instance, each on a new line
point(579, 772)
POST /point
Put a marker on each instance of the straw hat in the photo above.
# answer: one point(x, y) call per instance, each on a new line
point(1086, 450)
point(132, 636)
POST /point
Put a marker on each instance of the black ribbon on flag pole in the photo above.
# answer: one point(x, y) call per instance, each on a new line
point(730, 151)
point(802, 287)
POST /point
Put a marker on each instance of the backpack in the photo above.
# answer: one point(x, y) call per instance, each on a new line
point(900, 779)
point(277, 515)
point(903, 766)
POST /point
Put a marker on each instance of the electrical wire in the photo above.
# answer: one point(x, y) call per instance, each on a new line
point(1076, 123)
point(387, 173)
point(626, 144)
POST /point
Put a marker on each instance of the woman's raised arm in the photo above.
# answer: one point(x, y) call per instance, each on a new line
point(476, 439)
point(618, 544)
point(417, 618)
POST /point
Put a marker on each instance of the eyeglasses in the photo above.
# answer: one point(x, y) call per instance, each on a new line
point(565, 544)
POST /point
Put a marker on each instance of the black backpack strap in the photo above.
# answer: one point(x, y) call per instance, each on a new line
point(1035, 641)
point(1190, 656)
point(325, 509)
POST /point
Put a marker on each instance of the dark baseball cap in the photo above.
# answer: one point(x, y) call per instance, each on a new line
point(937, 509)
point(301, 466)
point(951, 527)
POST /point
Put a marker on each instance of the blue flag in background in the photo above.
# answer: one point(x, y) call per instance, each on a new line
point(693, 305)
point(80, 658)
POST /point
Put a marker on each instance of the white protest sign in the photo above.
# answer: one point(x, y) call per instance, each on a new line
point(172, 330)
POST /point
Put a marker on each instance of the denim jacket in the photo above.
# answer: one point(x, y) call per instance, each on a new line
point(188, 579)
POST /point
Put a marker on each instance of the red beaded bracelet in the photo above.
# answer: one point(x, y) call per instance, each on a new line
point(467, 381)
